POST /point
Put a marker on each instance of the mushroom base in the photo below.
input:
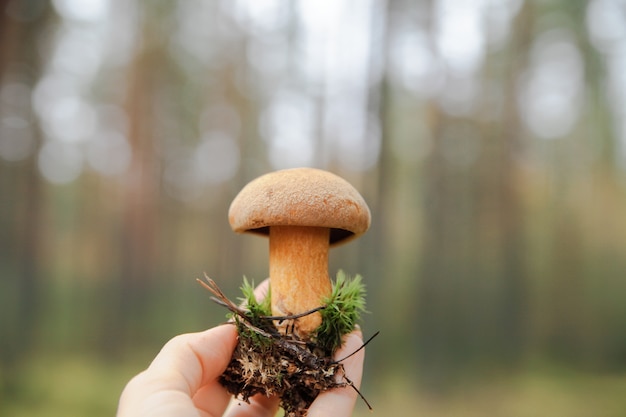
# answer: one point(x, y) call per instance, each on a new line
point(280, 367)
point(271, 362)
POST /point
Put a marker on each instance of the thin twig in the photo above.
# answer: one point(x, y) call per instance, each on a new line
point(362, 346)
point(357, 391)
point(222, 300)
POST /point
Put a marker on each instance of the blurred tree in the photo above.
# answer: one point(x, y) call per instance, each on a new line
point(590, 154)
point(138, 228)
point(21, 211)
point(377, 259)
point(472, 293)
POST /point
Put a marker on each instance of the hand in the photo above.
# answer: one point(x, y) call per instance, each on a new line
point(183, 380)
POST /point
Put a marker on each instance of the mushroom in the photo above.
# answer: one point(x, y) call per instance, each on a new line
point(304, 211)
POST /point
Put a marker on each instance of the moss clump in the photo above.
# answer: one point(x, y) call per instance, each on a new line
point(269, 362)
point(342, 311)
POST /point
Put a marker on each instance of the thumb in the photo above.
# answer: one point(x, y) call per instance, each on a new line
point(185, 364)
point(197, 358)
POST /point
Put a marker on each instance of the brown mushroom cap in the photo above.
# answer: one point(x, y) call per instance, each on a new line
point(300, 197)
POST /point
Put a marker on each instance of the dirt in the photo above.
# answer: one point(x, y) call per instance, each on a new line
point(280, 366)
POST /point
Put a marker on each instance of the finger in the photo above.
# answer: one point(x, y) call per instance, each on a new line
point(340, 401)
point(197, 357)
point(185, 364)
point(212, 399)
point(259, 406)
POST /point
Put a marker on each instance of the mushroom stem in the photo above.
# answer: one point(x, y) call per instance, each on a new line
point(299, 272)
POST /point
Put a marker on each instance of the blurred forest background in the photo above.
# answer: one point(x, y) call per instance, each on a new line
point(487, 136)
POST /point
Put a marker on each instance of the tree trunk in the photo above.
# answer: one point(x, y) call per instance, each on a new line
point(21, 209)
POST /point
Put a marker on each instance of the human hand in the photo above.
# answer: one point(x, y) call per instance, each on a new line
point(183, 380)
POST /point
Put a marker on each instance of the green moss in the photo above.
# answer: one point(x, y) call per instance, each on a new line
point(255, 308)
point(343, 310)
point(255, 312)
